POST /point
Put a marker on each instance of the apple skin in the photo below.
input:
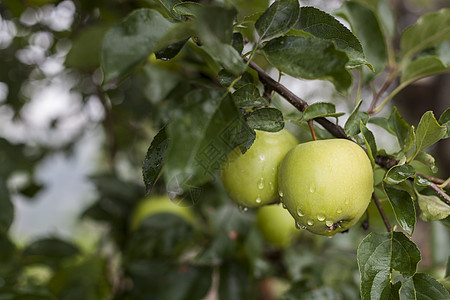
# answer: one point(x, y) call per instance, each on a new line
point(158, 204)
point(326, 185)
point(276, 225)
point(250, 179)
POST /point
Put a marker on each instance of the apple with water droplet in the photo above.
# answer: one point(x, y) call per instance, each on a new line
point(326, 184)
point(276, 225)
point(250, 179)
point(159, 204)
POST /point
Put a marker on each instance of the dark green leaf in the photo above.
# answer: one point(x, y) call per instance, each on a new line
point(50, 251)
point(352, 126)
point(277, 19)
point(170, 51)
point(235, 282)
point(320, 109)
point(6, 208)
point(421, 181)
point(248, 96)
point(365, 25)
point(267, 119)
point(238, 42)
point(444, 119)
point(421, 287)
point(215, 28)
point(154, 159)
point(429, 30)
point(130, 42)
point(309, 58)
point(323, 25)
point(157, 82)
point(432, 208)
point(226, 79)
point(428, 132)
point(400, 173)
point(85, 51)
point(403, 206)
point(422, 67)
point(201, 135)
point(377, 254)
point(369, 140)
point(399, 126)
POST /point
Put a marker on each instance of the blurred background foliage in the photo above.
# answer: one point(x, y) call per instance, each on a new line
point(54, 109)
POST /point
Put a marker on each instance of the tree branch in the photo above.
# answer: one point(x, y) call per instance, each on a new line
point(440, 192)
point(435, 180)
point(380, 209)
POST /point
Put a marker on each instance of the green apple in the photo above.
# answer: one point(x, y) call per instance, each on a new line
point(250, 179)
point(326, 185)
point(159, 204)
point(276, 225)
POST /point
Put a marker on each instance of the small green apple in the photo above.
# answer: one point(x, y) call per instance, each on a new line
point(250, 179)
point(326, 185)
point(276, 225)
point(159, 204)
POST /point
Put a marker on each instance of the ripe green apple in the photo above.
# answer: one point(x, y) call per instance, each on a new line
point(250, 179)
point(276, 225)
point(326, 185)
point(159, 204)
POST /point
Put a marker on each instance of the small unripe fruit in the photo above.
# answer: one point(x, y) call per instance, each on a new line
point(276, 225)
point(159, 204)
point(326, 185)
point(250, 179)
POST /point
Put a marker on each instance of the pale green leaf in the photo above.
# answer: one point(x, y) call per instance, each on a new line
point(352, 126)
point(422, 67)
point(428, 131)
point(432, 208)
point(444, 119)
point(320, 109)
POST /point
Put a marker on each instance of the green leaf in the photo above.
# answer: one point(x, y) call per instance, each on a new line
point(325, 26)
point(422, 287)
point(320, 109)
point(421, 181)
point(51, 251)
point(234, 281)
point(309, 58)
point(383, 123)
point(352, 126)
point(187, 8)
point(153, 161)
point(6, 208)
point(166, 7)
point(238, 42)
point(399, 126)
point(429, 30)
point(398, 174)
point(201, 135)
point(377, 254)
point(422, 67)
point(428, 132)
point(403, 206)
point(267, 119)
point(444, 119)
point(365, 26)
point(248, 96)
point(277, 19)
point(369, 140)
point(432, 208)
point(129, 42)
point(410, 140)
point(86, 47)
point(226, 78)
point(427, 159)
point(215, 28)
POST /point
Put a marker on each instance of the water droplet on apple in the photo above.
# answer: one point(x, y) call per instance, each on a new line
point(284, 206)
point(346, 202)
point(243, 208)
point(262, 158)
point(329, 223)
point(271, 185)
point(258, 199)
point(310, 222)
point(297, 225)
point(261, 183)
point(312, 188)
point(339, 211)
point(321, 218)
point(303, 227)
point(280, 193)
point(300, 212)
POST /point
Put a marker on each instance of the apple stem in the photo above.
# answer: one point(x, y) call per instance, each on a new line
point(311, 128)
point(382, 213)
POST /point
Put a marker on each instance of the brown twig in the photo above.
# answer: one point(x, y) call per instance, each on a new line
point(311, 128)
point(435, 180)
point(380, 209)
point(384, 87)
point(440, 192)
